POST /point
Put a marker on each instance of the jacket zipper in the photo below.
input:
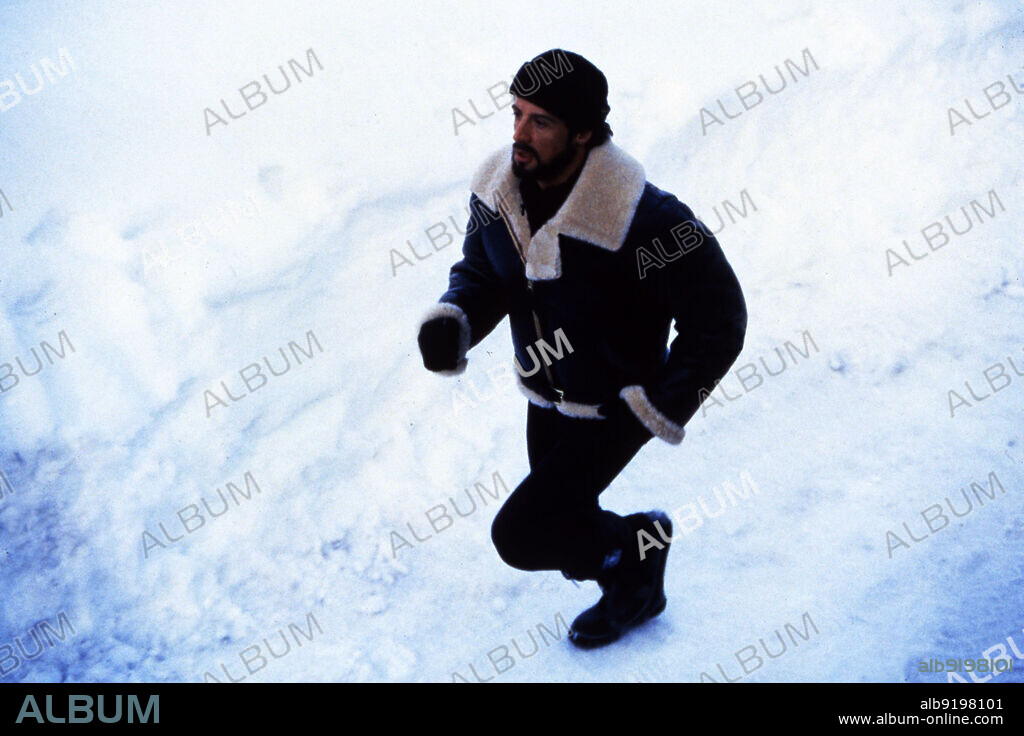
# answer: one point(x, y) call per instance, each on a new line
point(529, 287)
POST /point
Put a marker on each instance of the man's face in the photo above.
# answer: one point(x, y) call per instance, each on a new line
point(542, 144)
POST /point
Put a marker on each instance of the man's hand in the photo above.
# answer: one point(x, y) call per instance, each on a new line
point(439, 344)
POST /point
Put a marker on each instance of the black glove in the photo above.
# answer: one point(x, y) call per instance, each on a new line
point(621, 420)
point(439, 344)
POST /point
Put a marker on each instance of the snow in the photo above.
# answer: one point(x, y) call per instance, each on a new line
point(359, 441)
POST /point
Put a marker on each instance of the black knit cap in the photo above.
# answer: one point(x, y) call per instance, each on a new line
point(566, 85)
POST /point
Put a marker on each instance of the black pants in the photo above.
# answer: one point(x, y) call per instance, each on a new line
point(552, 521)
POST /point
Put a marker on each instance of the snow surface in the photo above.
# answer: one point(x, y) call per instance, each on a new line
point(359, 441)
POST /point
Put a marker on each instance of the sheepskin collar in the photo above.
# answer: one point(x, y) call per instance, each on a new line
point(599, 209)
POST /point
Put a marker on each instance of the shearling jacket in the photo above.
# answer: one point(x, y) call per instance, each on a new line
point(591, 296)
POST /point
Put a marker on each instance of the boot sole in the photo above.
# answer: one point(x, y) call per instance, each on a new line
point(586, 642)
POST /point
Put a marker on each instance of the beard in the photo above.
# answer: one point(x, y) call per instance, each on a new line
point(544, 170)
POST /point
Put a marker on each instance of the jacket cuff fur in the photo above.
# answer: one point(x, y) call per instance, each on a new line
point(656, 422)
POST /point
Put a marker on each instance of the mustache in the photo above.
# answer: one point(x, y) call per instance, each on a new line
point(525, 149)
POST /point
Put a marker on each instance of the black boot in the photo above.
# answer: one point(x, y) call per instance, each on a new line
point(633, 590)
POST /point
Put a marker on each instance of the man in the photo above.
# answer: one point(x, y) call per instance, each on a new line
point(569, 240)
